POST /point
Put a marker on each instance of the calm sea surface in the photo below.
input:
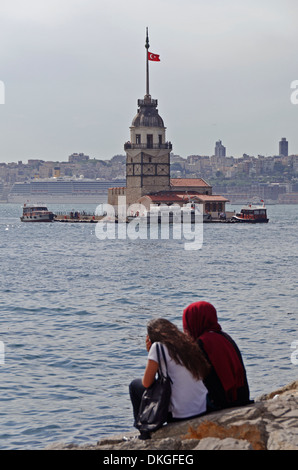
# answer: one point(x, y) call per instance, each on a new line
point(74, 311)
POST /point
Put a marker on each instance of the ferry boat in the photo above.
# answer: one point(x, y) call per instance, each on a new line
point(63, 190)
point(36, 213)
point(252, 214)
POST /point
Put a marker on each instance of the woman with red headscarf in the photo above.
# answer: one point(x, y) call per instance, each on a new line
point(226, 383)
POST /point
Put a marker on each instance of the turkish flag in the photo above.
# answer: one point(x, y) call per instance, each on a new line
point(154, 57)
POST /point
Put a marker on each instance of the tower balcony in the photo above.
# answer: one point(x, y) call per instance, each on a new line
point(147, 101)
point(129, 145)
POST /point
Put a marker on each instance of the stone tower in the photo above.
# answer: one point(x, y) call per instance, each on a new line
point(147, 152)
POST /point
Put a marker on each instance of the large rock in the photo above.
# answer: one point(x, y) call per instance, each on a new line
point(228, 443)
point(271, 423)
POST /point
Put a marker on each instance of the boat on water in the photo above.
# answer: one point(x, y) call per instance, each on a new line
point(252, 214)
point(36, 213)
point(188, 213)
point(63, 190)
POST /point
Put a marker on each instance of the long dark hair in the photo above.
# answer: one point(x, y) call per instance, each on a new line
point(182, 348)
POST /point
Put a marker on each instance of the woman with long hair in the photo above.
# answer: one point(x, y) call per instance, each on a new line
point(187, 367)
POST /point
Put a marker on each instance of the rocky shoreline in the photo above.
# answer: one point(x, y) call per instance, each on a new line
point(270, 423)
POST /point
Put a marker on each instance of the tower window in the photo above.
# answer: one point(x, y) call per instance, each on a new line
point(149, 141)
point(138, 138)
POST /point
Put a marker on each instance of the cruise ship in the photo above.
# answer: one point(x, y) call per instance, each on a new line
point(63, 190)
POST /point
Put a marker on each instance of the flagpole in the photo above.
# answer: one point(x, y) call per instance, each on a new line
point(147, 63)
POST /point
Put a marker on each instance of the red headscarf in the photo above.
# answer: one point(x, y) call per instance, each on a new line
point(200, 322)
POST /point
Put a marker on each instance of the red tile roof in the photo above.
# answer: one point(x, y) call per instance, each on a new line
point(212, 198)
point(162, 196)
point(177, 196)
point(189, 182)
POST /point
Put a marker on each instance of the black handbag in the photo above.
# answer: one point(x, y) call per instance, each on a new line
point(155, 402)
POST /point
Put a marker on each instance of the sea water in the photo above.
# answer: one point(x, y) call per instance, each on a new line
point(74, 311)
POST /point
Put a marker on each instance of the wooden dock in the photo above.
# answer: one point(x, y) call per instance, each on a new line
point(77, 217)
point(82, 217)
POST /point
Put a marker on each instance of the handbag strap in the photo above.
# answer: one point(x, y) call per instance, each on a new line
point(164, 358)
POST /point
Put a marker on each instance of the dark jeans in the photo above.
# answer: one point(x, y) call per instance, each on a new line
point(136, 390)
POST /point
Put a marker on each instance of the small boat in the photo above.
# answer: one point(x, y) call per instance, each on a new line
point(36, 213)
point(253, 214)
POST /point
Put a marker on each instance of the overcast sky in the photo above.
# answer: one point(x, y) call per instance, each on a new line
point(73, 71)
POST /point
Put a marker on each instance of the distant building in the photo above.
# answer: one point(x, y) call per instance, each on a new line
point(283, 147)
point(148, 153)
point(220, 150)
point(78, 157)
point(57, 173)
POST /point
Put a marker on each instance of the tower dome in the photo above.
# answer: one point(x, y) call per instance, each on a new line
point(147, 114)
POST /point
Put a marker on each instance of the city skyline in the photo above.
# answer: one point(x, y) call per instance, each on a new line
point(73, 74)
point(219, 150)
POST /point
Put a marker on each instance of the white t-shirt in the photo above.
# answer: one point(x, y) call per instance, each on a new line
point(188, 396)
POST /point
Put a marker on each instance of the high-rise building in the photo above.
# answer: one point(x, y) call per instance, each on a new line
point(283, 147)
point(220, 150)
